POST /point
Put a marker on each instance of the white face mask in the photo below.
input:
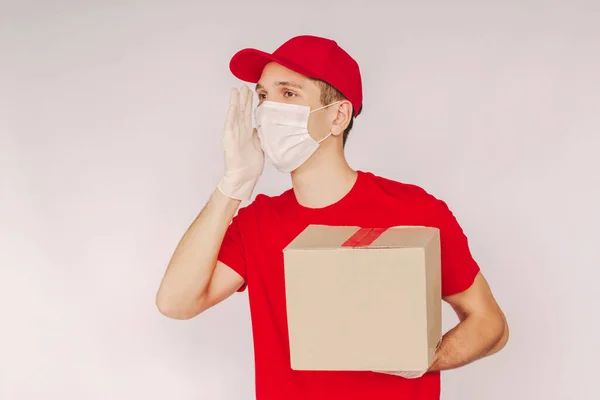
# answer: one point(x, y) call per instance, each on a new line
point(283, 133)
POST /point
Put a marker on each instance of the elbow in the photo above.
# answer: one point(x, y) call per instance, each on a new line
point(505, 334)
point(502, 334)
point(175, 309)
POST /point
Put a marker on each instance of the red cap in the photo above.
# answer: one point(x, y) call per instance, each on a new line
point(312, 56)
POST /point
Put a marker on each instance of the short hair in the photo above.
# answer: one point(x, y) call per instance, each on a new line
point(329, 95)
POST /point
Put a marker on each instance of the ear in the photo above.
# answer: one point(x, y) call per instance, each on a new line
point(342, 118)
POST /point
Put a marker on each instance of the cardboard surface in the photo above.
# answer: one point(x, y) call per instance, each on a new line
point(363, 299)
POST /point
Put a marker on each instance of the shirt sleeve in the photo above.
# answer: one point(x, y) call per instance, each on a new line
point(459, 268)
point(232, 252)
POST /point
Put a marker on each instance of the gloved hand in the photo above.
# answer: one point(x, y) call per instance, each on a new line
point(244, 158)
point(405, 374)
point(414, 374)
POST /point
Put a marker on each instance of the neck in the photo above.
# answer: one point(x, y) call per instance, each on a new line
point(323, 180)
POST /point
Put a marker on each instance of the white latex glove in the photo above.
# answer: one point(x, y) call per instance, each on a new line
point(405, 374)
point(244, 158)
point(410, 374)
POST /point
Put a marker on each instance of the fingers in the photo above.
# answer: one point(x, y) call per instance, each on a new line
point(248, 111)
point(245, 108)
point(231, 121)
point(234, 96)
point(240, 110)
point(242, 100)
point(256, 140)
point(241, 105)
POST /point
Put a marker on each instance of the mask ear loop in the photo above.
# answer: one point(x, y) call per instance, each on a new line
point(328, 105)
point(320, 108)
point(319, 142)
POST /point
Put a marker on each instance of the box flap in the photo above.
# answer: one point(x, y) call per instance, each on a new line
point(322, 237)
point(335, 237)
point(405, 237)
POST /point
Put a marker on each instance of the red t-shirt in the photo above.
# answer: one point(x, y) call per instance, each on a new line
point(253, 247)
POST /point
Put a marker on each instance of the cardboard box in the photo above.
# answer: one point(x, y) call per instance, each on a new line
point(362, 299)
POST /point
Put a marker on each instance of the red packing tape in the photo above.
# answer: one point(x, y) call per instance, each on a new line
point(363, 237)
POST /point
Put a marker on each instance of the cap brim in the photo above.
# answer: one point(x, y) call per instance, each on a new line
point(248, 64)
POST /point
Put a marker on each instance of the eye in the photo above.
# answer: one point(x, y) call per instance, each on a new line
point(262, 96)
point(289, 94)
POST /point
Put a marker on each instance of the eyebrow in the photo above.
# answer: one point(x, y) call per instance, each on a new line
point(281, 83)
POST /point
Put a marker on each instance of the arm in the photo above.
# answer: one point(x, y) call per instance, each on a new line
point(194, 280)
point(481, 332)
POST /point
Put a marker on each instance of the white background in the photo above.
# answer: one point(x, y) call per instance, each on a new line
point(110, 125)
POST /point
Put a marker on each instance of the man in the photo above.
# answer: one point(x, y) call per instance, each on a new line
point(309, 92)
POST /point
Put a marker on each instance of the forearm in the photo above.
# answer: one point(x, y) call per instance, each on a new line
point(473, 338)
point(192, 265)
